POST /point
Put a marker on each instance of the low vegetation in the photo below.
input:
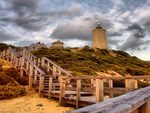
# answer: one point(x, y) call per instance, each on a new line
point(88, 61)
point(10, 81)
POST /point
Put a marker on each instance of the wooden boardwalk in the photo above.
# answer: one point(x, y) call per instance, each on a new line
point(55, 82)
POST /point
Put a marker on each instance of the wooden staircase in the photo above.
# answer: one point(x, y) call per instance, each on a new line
point(39, 70)
point(53, 81)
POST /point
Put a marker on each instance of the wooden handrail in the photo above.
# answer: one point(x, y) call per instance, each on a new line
point(14, 52)
point(34, 65)
point(127, 103)
point(62, 70)
point(111, 78)
point(24, 49)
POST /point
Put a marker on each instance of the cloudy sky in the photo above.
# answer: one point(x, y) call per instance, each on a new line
point(127, 22)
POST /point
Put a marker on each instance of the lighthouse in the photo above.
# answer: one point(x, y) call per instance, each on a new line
point(99, 38)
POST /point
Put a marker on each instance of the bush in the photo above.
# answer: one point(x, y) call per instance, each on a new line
point(91, 61)
point(4, 80)
point(15, 74)
point(8, 91)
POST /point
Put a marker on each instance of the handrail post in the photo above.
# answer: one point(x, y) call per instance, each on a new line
point(50, 86)
point(39, 62)
point(42, 63)
point(131, 84)
point(35, 76)
point(93, 83)
point(41, 84)
point(110, 83)
point(30, 77)
point(62, 89)
point(99, 90)
point(48, 65)
point(8, 55)
point(145, 108)
point(22, 66)
point(78, 90)
point(54, 70)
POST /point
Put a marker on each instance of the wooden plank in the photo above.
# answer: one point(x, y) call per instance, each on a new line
point(70, 92)
point(114, 90)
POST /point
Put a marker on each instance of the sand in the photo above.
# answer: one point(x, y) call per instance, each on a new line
point(31, 103)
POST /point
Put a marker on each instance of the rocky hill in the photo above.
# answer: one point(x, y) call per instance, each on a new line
point(87, 61)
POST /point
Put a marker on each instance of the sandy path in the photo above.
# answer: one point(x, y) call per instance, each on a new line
point(31, 103)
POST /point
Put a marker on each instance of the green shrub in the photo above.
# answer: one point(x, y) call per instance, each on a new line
point(9, 91)
point(90, 61)
point(15, 74)
point(4, 80)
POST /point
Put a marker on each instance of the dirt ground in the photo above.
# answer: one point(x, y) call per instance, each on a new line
point(31, 103)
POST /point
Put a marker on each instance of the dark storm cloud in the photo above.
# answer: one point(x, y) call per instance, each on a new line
point(138, 33)
point(147, 25)
point(133, 43)
point(114, 34)
point(24, 6)
point(71, 31)
point(29, 17)
point(5, 36)
point(137, 30)
point(81, 28)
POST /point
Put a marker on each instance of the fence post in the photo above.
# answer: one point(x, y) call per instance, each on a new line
point(93, 85)
point(50, 86)
point(78, 95)
point(8, 55)
point(145, 108)
point(54, 70)
point(35, 76)
point(42, 63)
point(131, 84)
point(99, 90)
point(39, 62)
point(30, 77)
point(62, 89)
point(41, 84)
point(110, 83)
point(48, 65)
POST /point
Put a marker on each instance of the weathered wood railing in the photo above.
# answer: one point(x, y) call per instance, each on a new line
point(96, 90)
point(34, 67)
point(137, 101)
point(51, 66)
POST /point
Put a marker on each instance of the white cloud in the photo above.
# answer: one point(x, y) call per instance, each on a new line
point(139, 14)
point(75, 43)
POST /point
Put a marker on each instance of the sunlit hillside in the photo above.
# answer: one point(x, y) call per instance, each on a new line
point(87, 61)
